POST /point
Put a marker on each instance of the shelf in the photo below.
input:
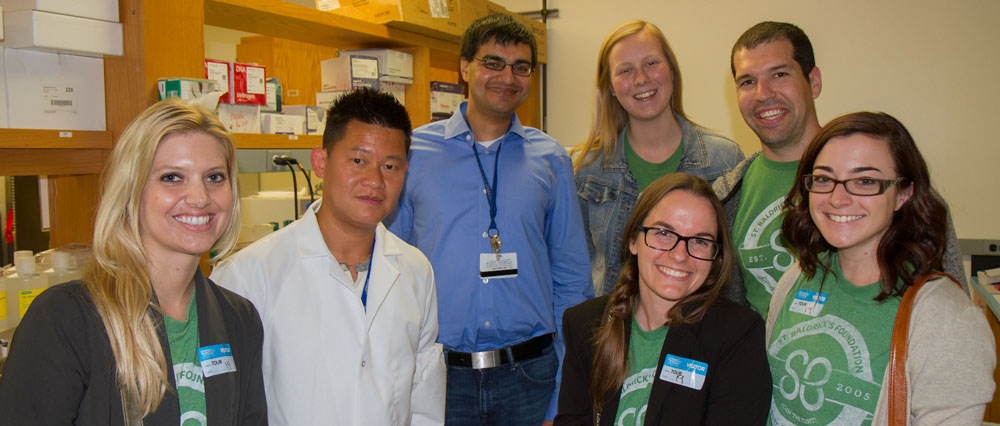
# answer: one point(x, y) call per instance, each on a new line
point(54, 139)
point(257, 141)
point(281, 19)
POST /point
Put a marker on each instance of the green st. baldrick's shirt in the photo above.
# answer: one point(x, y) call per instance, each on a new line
point(760, 250)
point(183, 338)
point(643, 358)
point(645, 172)
point(828, 369)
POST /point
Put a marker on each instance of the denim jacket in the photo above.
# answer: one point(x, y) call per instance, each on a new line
point(608, 192)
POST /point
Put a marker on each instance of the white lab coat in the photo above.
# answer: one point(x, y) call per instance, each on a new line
point(327, 360)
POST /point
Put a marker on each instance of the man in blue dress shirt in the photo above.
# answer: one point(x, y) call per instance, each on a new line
point(493, 205)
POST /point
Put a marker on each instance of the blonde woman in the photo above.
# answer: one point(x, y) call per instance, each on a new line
point(145, 338)
point(639, 133)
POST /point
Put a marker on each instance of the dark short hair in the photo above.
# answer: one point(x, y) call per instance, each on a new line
point(915, 241)
point(367, 106)
point(502, 29)
point(768, 31)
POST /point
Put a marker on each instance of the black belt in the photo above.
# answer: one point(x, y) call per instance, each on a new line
point(528, 349)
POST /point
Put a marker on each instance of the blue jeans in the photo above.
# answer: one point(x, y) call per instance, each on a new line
point(515, 394)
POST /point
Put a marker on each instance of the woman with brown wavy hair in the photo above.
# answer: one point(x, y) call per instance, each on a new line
point(663, 348)
point(866, 224)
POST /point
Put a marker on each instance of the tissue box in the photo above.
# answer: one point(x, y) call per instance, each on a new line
point(184, 88)
point(315, 117)
point(53, 32)
point(54, 91)
point(240, 118)
point(349, 72)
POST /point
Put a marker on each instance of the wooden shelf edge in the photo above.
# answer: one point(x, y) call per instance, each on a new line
point(295, 22)
point(54, 139)
point(258, 141)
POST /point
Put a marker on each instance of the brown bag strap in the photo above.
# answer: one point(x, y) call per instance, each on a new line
point(897, 351)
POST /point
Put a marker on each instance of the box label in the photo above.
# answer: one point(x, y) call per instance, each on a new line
point(439, 8)
point(255, 81)
point(58, 98)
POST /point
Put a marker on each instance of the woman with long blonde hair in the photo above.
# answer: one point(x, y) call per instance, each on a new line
point(145, 338)
point(664, 348)
point(639, 132)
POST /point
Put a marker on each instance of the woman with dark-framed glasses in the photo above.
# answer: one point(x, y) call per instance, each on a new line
point(663, 348)
point(865, 225)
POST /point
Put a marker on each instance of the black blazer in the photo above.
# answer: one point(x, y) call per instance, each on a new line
point(730, 339)
point(61, 369)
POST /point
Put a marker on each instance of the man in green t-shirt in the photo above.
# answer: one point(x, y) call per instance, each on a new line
point(777, 83)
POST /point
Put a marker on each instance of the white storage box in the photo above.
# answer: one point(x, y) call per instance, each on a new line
point(325, 100)
point(397, 90)
point(315, 117)
point(280, 124)
point(54, 91)
point(61, 33)
point(393, 66)
point(240, 118)
point(349, 72)
point(106, 10)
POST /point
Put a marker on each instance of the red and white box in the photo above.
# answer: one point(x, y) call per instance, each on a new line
point(219, 72)
point(248, 85)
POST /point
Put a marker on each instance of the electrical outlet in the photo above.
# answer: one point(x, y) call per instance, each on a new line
point(271, 154)
point(979, 247)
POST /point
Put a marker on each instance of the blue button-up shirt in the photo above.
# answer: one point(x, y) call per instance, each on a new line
point(444, 212)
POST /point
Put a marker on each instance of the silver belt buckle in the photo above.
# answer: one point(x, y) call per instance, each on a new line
point(485, 359)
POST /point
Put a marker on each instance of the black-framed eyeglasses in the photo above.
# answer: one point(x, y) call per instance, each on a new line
point(522, 69)
point(863, 186)
point(663, 239)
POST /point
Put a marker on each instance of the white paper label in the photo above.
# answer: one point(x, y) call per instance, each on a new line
point(439, 8)
point(327, 5)
point(364, 68)
point(58, 98)
point(219, 73)
point(255, 81)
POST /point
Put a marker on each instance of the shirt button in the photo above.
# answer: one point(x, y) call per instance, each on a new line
point(468, 137)
point(487, 323)
point(485, 235)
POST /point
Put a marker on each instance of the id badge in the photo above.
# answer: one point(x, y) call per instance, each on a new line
point(683, 371)
point(492, 266)
point(808, 302)
point(216, 359)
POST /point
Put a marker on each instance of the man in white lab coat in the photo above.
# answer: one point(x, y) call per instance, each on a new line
point(349, 309)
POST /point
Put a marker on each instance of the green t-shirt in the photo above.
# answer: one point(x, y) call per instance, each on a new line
point(827, 368)
point(643, 356)
point(645, 172)
point(183, 338)
point(757, 229)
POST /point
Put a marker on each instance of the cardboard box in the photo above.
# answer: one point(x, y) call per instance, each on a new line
point(397, 90)
point(349, 72)
point(185, 89)
point(249, 85)
point(281, 124)
point(445, 99)
point(325, 100)
point(240, 118)
point(435, 18)
point(105, 10)
point(273, 89)
point(219, 72)
point(393, 66)
point(54, 91)
point(315, 117)
point(52, 32)
point(470, 11)
point(537, 27)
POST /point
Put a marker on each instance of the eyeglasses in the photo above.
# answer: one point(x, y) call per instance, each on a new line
point(863, 186)
point(496, 64)
point(666, 240)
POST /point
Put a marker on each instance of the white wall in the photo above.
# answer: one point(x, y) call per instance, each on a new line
point(931, 64)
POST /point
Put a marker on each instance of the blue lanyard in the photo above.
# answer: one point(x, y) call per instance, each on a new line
point(371, 269)
point(491, 192)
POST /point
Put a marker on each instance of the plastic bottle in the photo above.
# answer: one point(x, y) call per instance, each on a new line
point(3, 300)
point(23, 287)
point(62, 270)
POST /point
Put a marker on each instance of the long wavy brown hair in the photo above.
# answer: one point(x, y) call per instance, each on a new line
point(915, 242)
point(610, 363)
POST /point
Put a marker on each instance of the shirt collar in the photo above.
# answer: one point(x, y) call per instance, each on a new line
point(457, 125)
point(311, 243)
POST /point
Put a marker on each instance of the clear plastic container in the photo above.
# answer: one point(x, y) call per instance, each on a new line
point(62, 269)
point(22, 287)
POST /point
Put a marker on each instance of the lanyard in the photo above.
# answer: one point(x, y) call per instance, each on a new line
point(491, 195)
point(368, 276)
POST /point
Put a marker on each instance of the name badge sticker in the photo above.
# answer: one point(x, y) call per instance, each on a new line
point(216, 359)
point(808, 302)
point(492, 266)
point(685, 372)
